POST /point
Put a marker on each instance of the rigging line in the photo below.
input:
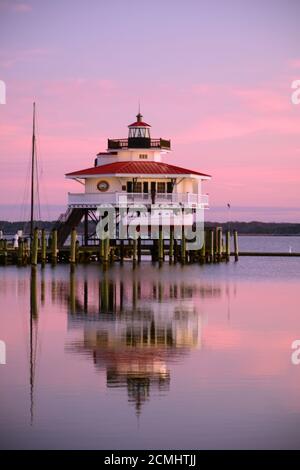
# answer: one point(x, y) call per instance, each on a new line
point(26, 183)
point(38, 208)
point(43, 188)
point(37, 191)
point(32, 175)
point(25, 197)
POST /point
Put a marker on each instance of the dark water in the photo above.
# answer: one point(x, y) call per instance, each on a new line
point(178, 357)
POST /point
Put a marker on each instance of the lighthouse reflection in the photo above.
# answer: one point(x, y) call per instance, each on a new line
point(134, 328)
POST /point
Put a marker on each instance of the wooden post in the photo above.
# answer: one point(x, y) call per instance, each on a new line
point(171, 245)
point(219, 244)
point(236, 246)
point(160, 245)
point(211, 246)
point(203, 248)
point(34, 247)
point(73, 246)
point(134, 250)
point(77, 251)
point(183, 246)
point(227, 245)
point(139, 248)
point(106, 250)
point(43, 248)
point(54, 247)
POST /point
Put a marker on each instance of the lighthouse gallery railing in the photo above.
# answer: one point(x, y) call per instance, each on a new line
point(94, 199)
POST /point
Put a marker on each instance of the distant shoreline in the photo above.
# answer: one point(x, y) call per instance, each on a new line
point(254, 228)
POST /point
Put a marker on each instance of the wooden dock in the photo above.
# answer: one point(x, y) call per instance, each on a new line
point(269, 253)
point(215, 249)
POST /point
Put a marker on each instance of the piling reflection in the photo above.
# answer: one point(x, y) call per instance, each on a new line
point(134, 329)
point(33, 334)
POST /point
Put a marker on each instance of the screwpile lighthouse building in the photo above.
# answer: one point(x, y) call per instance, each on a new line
point(131, 168)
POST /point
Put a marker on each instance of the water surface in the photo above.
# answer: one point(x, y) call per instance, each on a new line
point(178, 357)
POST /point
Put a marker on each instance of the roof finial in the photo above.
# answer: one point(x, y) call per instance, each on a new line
point(139, 116)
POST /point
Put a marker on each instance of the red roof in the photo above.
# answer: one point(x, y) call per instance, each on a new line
point(135, 167)
point(139, 124)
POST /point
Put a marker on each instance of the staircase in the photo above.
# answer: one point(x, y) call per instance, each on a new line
point(66, 221)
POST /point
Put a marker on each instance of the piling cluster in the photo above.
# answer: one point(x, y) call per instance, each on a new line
point(215, 248)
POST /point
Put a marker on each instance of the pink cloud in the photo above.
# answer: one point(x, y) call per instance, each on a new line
point(252, 110)
point(22, 7)
point(15, 6)
point(263, 100)
point(237, 134)
point(294, 63)
point(10, 58)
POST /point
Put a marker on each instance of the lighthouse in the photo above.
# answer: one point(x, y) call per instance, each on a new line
point(132, 168)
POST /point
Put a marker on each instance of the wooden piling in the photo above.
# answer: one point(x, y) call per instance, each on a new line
point(219, 243)
point(160, 245)
point(236, 246)
point(43, 248)
point(227, 245)
point(106, 250)
point(34, 247)
point(139, 249)
point(134, 250)
point(203, 249)
point(73, 246)
point(211, 247)
point(54, 247)
point(77, 251)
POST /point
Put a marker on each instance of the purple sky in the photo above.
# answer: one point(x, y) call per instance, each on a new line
point(213, 76)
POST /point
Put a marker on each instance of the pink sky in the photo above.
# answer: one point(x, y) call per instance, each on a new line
point(216, 80)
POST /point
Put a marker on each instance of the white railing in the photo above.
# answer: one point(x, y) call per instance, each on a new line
point(94, 199)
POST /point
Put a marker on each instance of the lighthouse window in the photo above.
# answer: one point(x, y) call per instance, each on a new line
point(143, 156)
point(137, 187)
point(139, 132)
point(161, 187)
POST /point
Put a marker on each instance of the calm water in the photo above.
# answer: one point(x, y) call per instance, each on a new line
point(193, 357)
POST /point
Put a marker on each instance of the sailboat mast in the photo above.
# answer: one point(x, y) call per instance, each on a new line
point(32, 174)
